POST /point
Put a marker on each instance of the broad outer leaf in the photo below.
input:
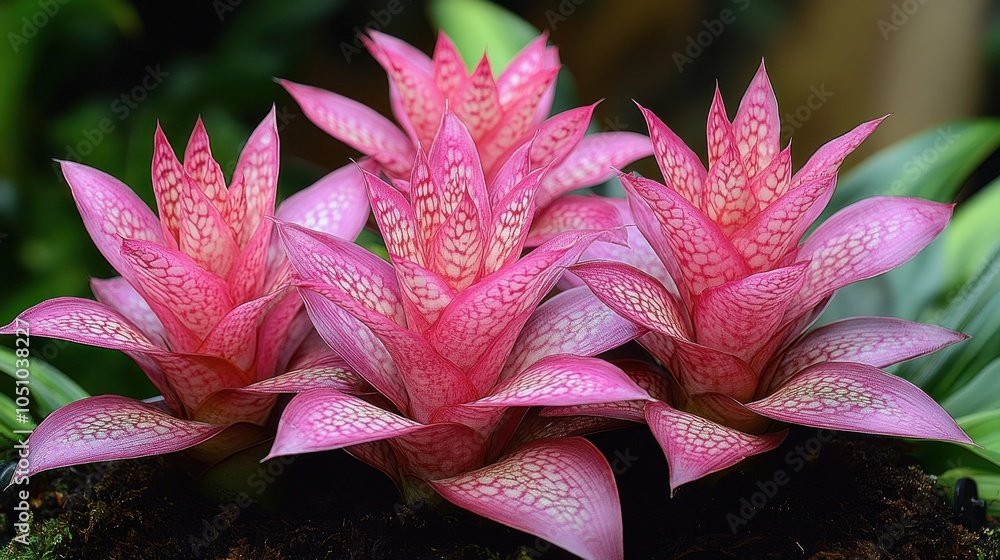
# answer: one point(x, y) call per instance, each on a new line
point(561, 490)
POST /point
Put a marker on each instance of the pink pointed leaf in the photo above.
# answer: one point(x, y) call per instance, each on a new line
point(395, 219)
point(512, 217)
point(769, 237)
point(118, 294)
point(456, 169)
point(527, 63)
point(756, 126)
point(85, 322)
point(110, 212)
point(325, 419)
point(861, 398)
point(593, 161)
point(196, 376)
point(354, 124)
point(703, 255)
point(110, 427)
point(563, 380)
point(572, 213)
point(248, 278)
point(572, 322)
point(449, 68)
point(476, 102)
point(681, 168)
point(773, 180)
point(235, 336)
point(707, 370)
point(251, 199)
point(634, 295)
point(825, 162)
point(696, 447)
point(518, 119)
point(560, 490)
point(739, 317)
point(202, 167)
point(876, 341)
point(729, 199)
point(331, 376)
point(719, 130)
point(455, 253)
point(559, 135)
point(426, 293)
point(865, 240)
point(177, 284)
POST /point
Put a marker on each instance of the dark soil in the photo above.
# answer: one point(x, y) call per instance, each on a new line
point(849, 497)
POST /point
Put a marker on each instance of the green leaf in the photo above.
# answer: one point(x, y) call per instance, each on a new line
point(987, 485)
point(973, 235)
point(980, 394)
point(50, 388)
point(9, 421)
point(477, 26)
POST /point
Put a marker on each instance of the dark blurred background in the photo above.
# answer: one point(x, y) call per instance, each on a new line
point(88, 79)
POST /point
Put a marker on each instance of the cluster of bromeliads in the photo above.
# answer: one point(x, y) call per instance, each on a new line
point(225, 302)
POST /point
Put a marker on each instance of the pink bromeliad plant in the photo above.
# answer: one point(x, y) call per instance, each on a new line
point(501, 114)
point(728, 311)
point(452, 339)
point(197, 305)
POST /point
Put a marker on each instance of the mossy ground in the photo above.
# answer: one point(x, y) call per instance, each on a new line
point(846, 497)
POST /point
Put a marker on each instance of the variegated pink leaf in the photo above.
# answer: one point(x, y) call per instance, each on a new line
point(769, 237)
point(476, 102)
point(232, 405)
point(865, 240)
point(825, 162)
point(739, 317)
point(518, 118)
point(235, 336)
point(177, 285)
point(110, 427)
point(426, 294)
point(455, 253)
point(756, 126)
point(332, 375)
point(431, 381)
point(421, 454)
point(456, 169)
point(202, 167)
point(707, 370)
point(118, 294)
point(111, 212)
point(512, 217)
point(369, 280)
point(525, 64)
point(479, 314)
point(876, 341)
point(729, 199)
point(651, 379)
point(861, 398)
point(593, 161)
point(85, 322)
point(696, 447)
point(572, 213)
point(360, 347)
point(564, 380)
point(412, 76)
point(426, 198)
point(325, 419)
point(354, 124)
point(560, 490)
point(572, 322)
point(634, 295)
point(188, 215)
point(726, 410)
point(196, 376)
point(533, 428)
point(249, 276)
point(336, 204)
point(681, 168)
point(559, 135)
point(449, 68)
point(719, 130)
point(771, 182)
point(512, 173)
point(252, 198)
point(703, 255)
point(395, 219)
